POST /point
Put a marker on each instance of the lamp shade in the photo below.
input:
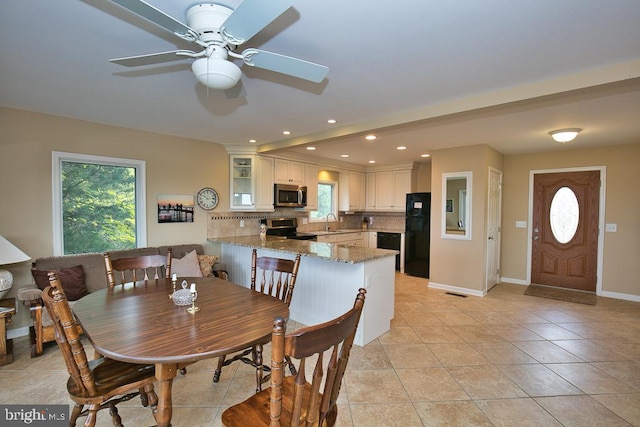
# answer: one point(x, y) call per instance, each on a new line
point(9, 254)
point(565, 135)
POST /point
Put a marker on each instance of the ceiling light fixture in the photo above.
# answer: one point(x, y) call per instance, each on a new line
point(370, 137)
point(372, 161)
point(425, 155)
point(565, 135)
point(344, 155)
point(252, 141)
point(311, 148)
point(331, 121)
point(216, 72)
point(402, 147)
point(286, 132)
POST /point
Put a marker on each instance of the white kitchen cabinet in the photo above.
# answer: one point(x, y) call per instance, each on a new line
point(372, 239)
point(250, 183)
point(311, 181)
point(349, 238)
point(288, 172)
point(370, 191)
point(386, 190)
point(352, 191)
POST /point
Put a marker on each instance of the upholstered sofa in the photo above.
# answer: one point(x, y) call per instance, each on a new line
point(95, 278)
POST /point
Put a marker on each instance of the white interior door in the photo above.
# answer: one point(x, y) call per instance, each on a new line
point(494, 213)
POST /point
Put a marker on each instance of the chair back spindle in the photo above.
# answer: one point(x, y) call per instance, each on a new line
point(137, 268)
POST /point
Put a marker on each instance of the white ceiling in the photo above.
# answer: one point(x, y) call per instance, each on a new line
point(423, 74)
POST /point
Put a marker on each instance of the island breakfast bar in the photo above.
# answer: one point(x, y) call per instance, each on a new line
point(330, 275)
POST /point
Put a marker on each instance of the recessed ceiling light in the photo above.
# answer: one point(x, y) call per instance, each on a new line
point(372, 161)
point(370, 137)
point(344, 155)
point(252, 141)
point(286, 132)
point(311, 148)
point(331, 121)
point(425, 155)
point(402, 147)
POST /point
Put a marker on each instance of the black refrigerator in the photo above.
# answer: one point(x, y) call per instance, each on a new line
point(417, 234)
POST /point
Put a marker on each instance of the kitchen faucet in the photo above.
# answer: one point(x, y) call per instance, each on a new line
point(326, 227)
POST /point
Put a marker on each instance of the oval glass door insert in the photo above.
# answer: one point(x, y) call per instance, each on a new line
point(564, 215)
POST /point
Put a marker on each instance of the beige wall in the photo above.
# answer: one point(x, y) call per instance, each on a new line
point(461, 263)
point(621, 268)
point(423, 178)
point(173, 166)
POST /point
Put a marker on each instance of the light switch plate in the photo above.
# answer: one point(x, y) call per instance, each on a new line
point(521, 224)
point(611, 228)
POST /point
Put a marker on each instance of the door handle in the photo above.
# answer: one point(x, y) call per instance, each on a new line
point(490, 237)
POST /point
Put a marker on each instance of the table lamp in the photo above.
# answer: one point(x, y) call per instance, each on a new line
point(9, 254)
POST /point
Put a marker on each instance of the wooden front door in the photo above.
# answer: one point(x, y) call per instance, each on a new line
point(565, 229)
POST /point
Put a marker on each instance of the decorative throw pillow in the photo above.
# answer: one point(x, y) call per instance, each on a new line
point(73, 282)
point(206, 264)
point(187, 266)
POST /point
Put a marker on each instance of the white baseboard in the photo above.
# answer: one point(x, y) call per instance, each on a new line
point(17, 332)
point(457, 289)
point(514, 281)
point(618, 295)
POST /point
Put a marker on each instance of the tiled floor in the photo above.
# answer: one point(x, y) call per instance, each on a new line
point(506, 359)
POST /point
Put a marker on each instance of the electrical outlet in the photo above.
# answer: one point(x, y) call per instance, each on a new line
point(611, 228)
point(370, 220)
point(305, 220)
point(341, 219)
point(242, 223)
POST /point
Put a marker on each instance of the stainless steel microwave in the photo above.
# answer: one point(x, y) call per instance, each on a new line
point(287, 195)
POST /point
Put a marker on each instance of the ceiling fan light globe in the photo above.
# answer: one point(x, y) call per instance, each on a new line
point(216, 73)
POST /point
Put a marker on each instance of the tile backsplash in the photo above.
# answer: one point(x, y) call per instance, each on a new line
point(246, 223)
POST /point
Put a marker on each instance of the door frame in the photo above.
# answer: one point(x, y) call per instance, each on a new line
point(499, 238)
point(601, 216)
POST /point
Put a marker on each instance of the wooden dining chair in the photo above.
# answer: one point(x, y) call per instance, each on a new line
point(275, 277)
point(292, 400)
point(100, 383)
point(137, 268)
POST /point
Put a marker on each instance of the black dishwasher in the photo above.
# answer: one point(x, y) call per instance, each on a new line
point(390, 241)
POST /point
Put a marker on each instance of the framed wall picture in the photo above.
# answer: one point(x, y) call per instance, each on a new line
point(175, 208)
point(449, 206)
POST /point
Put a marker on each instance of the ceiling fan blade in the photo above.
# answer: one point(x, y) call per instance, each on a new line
point(285, 64)
point(158, 17)
point(152, 58)
point(250, 17)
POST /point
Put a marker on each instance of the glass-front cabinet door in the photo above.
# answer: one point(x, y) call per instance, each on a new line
point(251, 183)
point(241, 180)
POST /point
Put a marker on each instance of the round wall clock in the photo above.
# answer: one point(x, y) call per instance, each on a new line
point(207, 198)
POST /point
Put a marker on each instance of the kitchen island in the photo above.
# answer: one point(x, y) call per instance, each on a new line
point(329, 277)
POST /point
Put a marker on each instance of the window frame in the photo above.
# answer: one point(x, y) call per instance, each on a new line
point(334, 201)
point(56, 191)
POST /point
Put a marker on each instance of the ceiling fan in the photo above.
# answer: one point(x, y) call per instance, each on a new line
point(219, 30)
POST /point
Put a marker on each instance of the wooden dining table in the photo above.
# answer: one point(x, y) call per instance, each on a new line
point(139, 323)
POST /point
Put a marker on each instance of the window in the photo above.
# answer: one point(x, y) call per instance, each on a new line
point(327, 201)
point(98, 203)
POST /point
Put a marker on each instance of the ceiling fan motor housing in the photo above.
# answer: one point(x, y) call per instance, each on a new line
point(206, 19)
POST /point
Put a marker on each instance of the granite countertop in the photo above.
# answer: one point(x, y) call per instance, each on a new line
point(329, 251)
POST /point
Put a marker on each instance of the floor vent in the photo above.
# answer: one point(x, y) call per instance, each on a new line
point(456, 295)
